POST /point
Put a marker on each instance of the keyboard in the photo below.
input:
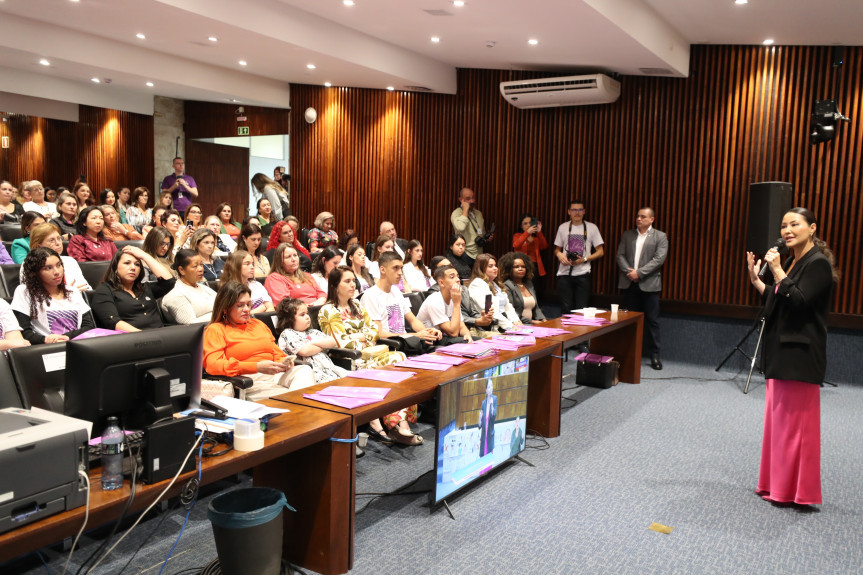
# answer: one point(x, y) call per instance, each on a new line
point(134, 440)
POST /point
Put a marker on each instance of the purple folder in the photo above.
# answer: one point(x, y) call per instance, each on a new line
point(384, 375)
point(376, 393)
point(96, 332)
point(416, 364)
point(346, 402)
point(445, 359)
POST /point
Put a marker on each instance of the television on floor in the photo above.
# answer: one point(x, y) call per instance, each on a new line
point(481, 424)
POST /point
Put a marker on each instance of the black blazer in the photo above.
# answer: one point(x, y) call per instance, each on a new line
point(517, 301)
point(795, 334)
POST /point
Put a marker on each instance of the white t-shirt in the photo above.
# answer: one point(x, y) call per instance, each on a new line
point(415, 278)
point(8, 322)
point(434, 311)
point(186, 304)
point(56, 316)
point(323, 283)
point(260, 295)
point(387, 308)
point(583, 239)
point(71, 271)
point(374, 269)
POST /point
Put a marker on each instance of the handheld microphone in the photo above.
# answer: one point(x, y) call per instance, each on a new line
point(779, 245)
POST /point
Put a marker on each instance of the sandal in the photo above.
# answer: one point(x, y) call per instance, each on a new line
point(379, 435)
point(398, 434)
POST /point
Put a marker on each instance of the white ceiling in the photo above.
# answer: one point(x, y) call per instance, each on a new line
point(374, 44)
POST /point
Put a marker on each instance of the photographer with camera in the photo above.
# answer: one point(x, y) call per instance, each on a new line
point(469, 222)
point(576, 244)
point(531, 241)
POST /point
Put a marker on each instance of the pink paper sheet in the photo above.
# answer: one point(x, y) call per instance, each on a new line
point(447, 359)
point(346, 402)
point(516, 339)
point(385, 375)
point(376, 393)
point(96, 332)
point(503, 345)
point(466, 349)
point(538, 331)
point(417, 364)
point(594, 358)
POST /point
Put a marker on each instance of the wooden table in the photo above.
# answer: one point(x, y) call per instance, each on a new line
point(318, 536)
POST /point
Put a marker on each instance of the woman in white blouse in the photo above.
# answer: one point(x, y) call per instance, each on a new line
point(48, 236)
point(327, 259)
point(415, 272)
point(484, 282)
point(191, 300)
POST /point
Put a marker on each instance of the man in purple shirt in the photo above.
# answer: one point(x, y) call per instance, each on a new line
point(182, 186)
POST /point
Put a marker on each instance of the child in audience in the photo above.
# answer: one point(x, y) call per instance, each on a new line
point(298, 339)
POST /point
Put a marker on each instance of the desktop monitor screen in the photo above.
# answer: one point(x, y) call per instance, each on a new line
point(481, 424)
point(140, 377)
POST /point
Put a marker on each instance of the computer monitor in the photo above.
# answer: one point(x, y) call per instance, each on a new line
point(481, 424)
point(140, 377)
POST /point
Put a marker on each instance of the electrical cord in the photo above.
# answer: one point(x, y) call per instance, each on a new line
point(153, 504)
point(86, 479)
point(399, 491)
point(150, 536)
point(536, 437)
point(189, 496)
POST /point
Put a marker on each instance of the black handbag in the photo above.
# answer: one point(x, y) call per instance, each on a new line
point(596, 371)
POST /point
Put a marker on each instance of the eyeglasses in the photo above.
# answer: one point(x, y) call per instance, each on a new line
point(576, 210)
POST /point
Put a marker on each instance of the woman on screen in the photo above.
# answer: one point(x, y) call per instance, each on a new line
point(237, 344)
point(46, 309)
point(240, 267)
point(191, 300)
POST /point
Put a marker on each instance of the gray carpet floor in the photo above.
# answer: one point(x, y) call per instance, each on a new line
point(681, 449)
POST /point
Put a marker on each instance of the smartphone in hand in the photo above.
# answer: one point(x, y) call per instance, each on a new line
point(289, 359)
point(487, 303)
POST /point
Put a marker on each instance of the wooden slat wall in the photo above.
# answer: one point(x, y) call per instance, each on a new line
point(112, 148)
point(211, 120)
point(222, 174)
point(688, 147)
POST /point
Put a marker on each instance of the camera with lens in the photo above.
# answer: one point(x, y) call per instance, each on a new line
point(484, 239)
point(572, 256)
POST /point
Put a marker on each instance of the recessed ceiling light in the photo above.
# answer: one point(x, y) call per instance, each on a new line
point(140, 36)
point(768, 42)
point(458, 3)
point(741, 1)
point(243, 63)
point(435, 40)
point(212, 39)
point(149, 84)
point(95, 80)
point(348, 2)
point(311, 66)
point(327, 84)
point(44, 62)
point(533, 41)
point(234, 100)
point(391, 88)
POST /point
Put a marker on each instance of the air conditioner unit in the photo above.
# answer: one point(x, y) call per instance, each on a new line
point(568, 91)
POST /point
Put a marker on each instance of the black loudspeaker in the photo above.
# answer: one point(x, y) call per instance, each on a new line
point(768, 202)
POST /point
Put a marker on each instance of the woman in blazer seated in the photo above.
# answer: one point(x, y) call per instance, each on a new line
point(485, 282)
point(516, 273)
point(797, 298)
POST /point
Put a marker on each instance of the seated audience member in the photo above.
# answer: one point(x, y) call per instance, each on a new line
point(83, 195)
point(22, 193)
point(191, 300)
point(479, 322)
point(349, 323)
point(273, 192)
point(283, 233)
point(156, 222)
point(347, 240)
point(47, 310)
point(486, 283)
point(235, 344)
point(457, 257)
point(265, 216)
point(123, 301)
point(323, 234)
point(228, 226)
point(21, 246)
point(240, 267)
point(516, 273)
point(90, 243)
point(530, 240)
point(382, 244)
point(10, 210)
point(109, 198)
point(400, 245)
point(224, 244)
point(159, 244)
point(114, 229)
point(327, 259)
point(355, 258)
point(38, 203)
point(389, 309)
point(51, 194)
point(173, 222)
point(68, 208)
point(286, 279)
point(10, 331)
point(48, 236)
point(194, 214)
point(203, 242)
point(442, 309)
point(138, 214)
point(250, 242)
point(124, 199)
point(166, 200)
point(295, 223)
point(415, 273)
point(297, 338)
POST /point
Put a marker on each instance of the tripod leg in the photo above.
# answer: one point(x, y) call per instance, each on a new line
point(754, 356)
point(743, 339)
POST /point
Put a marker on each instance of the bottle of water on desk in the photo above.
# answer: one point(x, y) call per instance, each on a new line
point(112, 456)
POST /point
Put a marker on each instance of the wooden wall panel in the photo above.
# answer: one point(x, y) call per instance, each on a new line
point(688, 147)
point(211, 120)
point(221, 174)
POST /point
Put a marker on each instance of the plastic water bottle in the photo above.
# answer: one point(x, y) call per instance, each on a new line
point(112, 456)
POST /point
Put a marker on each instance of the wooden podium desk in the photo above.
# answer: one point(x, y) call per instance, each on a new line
point(621, 339)
point(298, 458)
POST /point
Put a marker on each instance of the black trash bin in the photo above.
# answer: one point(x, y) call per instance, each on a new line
point(248, 528)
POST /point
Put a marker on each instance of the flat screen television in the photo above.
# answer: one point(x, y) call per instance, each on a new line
point(481, 424)
point(139, 377)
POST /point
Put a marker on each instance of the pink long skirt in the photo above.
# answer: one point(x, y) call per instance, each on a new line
point(791, 451)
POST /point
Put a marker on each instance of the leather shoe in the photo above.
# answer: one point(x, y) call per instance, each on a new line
point(655, 363)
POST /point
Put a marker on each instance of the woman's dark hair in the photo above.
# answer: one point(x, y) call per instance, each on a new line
point(221, 207)
point(382, 239)
point(227, 296)
point(246, 232)
point(347, 236)
point(189, 209)
point(521, 219)
point(139, 191)
point(182, 258)
point(199, 235)
point(819, 243)
point(479, 267)
point(349, 257)
point(81, 222)
point(153, 242)
point(27, 220)
point(506, 262)
point(233, 271)
point(419, 265)
point(112, 279)
point(33, 264)
point(90, 199)
point(165, 195)
point(453, 238)
point(258, 205)
point(286, 312)
point(333, 281)
point(251, 220)
point(323, 257)
point(158, 211)
point(435, 261)
point(103, 196)
point(171, 212)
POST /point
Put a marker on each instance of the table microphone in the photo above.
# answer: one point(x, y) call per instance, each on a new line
point(779, 245)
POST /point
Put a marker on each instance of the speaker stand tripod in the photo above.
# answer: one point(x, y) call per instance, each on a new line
point(758, 324)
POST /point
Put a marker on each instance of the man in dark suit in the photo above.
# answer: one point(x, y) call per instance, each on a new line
point(487, 416)
point(399, 245)
point(640, 256)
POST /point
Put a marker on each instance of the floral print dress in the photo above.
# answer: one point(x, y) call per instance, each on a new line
point(291, 341)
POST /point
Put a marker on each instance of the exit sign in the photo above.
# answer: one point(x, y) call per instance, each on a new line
point(242, 130)
point(5, 141)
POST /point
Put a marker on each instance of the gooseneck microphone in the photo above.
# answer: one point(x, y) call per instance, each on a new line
point(779, 245)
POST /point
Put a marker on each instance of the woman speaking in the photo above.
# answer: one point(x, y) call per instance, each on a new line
point(794, 359)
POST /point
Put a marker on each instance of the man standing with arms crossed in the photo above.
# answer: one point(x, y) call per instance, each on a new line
point(182, 187)
point(640, 256)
